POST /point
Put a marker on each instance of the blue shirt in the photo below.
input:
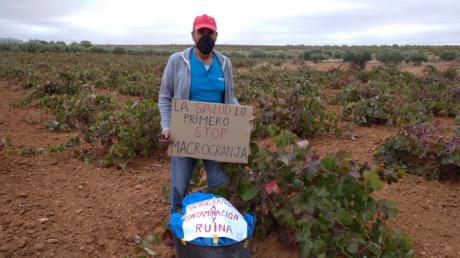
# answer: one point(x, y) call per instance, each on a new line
point(207, 85)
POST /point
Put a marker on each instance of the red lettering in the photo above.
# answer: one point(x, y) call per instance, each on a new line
point(210, 132)
point(222, 132)
point(215, 133)
point(206, 108)
point(212, 109)
point(198, 107)
point(198, 227)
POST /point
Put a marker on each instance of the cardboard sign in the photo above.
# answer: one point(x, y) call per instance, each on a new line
point(213, 218)
point(212, 131)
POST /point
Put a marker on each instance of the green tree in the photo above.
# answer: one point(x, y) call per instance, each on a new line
point(86, 44)
point(389, 56)
point(257, 53)
point(415, 57)
point(448, 55)
point(318, 57)
point(96, 49)
point(119, 50)
point(357, 59)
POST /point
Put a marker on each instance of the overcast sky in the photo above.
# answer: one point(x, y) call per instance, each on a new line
point(238, 21)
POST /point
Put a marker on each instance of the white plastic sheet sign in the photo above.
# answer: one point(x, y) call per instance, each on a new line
point(213, 218)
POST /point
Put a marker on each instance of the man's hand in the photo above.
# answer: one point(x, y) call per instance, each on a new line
point(165, 136)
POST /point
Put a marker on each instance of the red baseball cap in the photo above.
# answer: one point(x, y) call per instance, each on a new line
point(204, 21)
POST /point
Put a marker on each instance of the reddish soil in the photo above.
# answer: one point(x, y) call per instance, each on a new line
point(429, 211)
point(54, 205)
point(361, 141)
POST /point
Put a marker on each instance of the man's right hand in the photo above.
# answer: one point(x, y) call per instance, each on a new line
point(165, 136)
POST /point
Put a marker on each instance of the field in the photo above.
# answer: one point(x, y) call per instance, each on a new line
point(83, 174)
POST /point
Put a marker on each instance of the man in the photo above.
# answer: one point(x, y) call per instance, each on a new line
point(198, 73)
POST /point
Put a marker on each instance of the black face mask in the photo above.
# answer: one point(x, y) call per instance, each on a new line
point(205, 44)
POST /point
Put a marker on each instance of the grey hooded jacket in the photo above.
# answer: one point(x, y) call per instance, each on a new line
point(176, 82)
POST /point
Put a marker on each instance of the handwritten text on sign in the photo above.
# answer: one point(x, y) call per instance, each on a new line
point(214, 217)
point(210, 131)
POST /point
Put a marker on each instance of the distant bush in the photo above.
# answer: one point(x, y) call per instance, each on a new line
point(318, 57)
point(281, 55)
point(58, 46)
point(75, 47)
point(315, 55)
point(119, 50)
point(415, 57)
point(389, 56)
point(338, 54)
point(6, 46)
point(358, 59)
point(34, 46)
point(236, 54)
point(448, 55)
point(86, 44)
point(134, 51)
point(271, 54)
point(99, 50)
point(257, 53)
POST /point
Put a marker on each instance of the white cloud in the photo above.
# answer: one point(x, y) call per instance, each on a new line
point(384, 32)
point(238, 21)
point(117, 18)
